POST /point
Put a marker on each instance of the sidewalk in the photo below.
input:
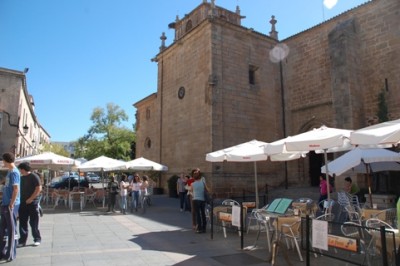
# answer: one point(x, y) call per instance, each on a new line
point(161, 236)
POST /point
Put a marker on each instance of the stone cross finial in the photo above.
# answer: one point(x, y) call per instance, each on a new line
point(163, 38)
point(273, 33)
point(238, 10)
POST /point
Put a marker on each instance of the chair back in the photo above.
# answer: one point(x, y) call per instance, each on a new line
point(230, 202)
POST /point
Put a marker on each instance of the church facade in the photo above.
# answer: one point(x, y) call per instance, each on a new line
point(221, 84)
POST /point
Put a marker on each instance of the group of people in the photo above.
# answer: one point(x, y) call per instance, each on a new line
point(21, 200)
point(134, 186)
point(191, 190)
point(348, 187)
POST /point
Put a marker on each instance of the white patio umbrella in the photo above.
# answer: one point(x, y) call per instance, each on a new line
point(277, 151)
point(361, 160)
point(323, 139)
point(382, 133)
point(50, 161)
point(143, 164)
point(251, 151)
point(102, 164)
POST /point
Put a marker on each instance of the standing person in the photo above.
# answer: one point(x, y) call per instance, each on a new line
point(323, 191)
point(9, 209)
point(199, 204)
point(187, 195)
point(29, 207)
point(112, 188)
point(350, 187)
point(190, 195)
point(123, 186)
point(143, 187)
point(180, 188)
point(135, 188)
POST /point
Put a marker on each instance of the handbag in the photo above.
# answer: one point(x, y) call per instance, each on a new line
point(207, 196)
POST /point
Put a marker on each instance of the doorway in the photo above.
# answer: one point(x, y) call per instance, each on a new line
point(315, 163)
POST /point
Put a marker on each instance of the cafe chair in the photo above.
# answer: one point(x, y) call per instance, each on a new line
point(91, 198)
point(388, 215)
point(291, 234)
point(352, 214)
point(355, 231)
point(264, 225)
point(343, 201)
point(373, 226)
point(252, 220)
point(76, 197)
point(60, 196)
point(230, 202)
point(326, 206)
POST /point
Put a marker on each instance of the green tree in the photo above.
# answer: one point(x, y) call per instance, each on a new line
point(55, 148)
point(106, 136)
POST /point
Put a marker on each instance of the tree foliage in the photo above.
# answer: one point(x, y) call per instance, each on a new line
point(55, 148)
point(106, 136)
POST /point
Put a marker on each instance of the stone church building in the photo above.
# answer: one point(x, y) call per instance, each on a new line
point(221, 84)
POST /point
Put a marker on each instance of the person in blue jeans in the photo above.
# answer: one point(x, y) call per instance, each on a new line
point(135, 189)
point(9, 209)
point(29, 209)
point(199, 204)
point(123, 186)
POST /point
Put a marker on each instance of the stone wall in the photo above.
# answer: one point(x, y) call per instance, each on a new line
point(332, 75)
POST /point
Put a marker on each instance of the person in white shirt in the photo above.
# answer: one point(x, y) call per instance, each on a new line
point(135, 189)
point(123, 186)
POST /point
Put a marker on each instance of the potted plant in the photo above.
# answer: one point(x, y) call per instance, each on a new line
point(155, 177)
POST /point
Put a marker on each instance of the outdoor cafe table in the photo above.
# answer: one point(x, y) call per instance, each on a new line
point(274, 223)
point(224, 216)
point(371, 213)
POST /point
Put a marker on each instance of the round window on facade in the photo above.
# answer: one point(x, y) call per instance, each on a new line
point(181, 92)
point(147, 143)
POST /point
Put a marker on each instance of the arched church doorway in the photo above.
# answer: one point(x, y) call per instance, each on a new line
point(315, 163)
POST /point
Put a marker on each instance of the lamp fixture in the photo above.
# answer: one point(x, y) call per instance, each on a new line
point(25, 129)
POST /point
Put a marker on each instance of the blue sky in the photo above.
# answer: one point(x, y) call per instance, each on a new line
point(83, 54)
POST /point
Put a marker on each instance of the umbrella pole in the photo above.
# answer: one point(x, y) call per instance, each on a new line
point(255, 182)
point(102, 184)
point(47, 188)
point(328, 191)
point(369, 184)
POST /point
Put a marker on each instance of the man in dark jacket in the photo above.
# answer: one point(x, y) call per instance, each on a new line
point(29, 207)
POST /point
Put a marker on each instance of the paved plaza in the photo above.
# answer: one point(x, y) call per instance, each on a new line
point(161, 236)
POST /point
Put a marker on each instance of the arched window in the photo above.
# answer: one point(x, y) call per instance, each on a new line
point(188, 25)
point(147, 143)
point(148, 113)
